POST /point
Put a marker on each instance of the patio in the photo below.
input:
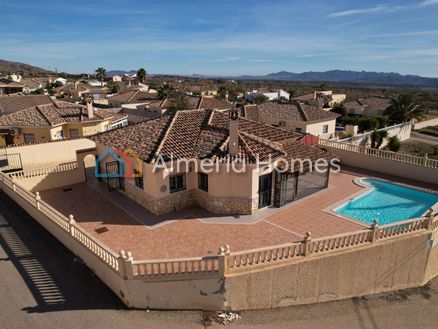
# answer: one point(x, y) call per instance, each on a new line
point(122, 224)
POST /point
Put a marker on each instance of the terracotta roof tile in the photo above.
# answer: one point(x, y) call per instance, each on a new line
point(204, 134)
point(11, 104)
point(295, 112)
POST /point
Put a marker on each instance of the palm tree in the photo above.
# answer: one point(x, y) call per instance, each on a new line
point(100, 74)
point(377, 138)
point(403, 109)
point(141, 74)
point(165, 91)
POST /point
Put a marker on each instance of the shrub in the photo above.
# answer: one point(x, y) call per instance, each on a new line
point(394, 144)
point(368, 123)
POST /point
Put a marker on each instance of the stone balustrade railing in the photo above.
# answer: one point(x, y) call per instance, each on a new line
point(246, 260)
point(198, 266)
point(45, 170)
point(68, 225)
point(212, 266)
point(406, 158)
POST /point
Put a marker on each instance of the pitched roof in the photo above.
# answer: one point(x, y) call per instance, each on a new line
point(133, 96)
point(11, 104)
point(295, 112)
point(204, 103)
point(49, 115)
point(204, 134)
point(213, 104)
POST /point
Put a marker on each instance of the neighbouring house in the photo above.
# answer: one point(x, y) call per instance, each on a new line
point(154, 108)
point(62, 81)
point(298, 117)
point(96, 83)
point(33, 84)
point(374, 106)
point(55, 120)
point(116, 78)
point(221, 138)
point(143, 111)
point(13, 103)
point(271, 94)
point(15, 77)
point(324, 99)
point(72, 90)
point(8, 86)
point(133, 96)
point(206, 103)
point(203, 90)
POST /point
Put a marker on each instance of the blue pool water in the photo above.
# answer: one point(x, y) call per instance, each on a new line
point(388, 203)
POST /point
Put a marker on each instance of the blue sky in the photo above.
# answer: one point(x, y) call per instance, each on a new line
point(222, 37)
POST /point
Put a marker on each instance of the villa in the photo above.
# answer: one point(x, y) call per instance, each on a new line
point(209, 135)
point(270, 94)
point(298, 117)
point(374, 106)
point(50, 120)
point(10, 87)
point(323, 99)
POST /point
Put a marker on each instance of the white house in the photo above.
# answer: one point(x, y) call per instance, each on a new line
point(61, 80)
point(271, 94)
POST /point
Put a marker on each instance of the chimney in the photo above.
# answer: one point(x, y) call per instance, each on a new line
point(90, 110)
point(233, 143)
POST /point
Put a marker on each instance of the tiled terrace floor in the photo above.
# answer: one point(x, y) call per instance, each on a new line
point(123, 225)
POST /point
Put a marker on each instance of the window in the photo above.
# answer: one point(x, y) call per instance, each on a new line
point(325, 129)
point(298, 130)
point(74, 133)
point(29, 138)
point(203, 181)
point(138, 179)
point(177, 183)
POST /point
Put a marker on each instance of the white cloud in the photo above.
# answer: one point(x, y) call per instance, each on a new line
point(383, 8)
point(429, 3)
point(376, 9)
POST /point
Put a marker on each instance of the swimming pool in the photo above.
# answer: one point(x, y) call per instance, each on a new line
point(388, 203)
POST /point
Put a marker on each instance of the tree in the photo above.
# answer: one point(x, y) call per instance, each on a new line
point(113, 87)
point(101, 74)
point(180, 102)
point(403, 109)
point(368, 123)
point(141, 75)
point(283, 99)
point(340, 109)
point(165, 91)
point(291, 93)
point(52, 86)
point(323, 87)
point(394, 144)
point(259, 99)
point(377, 138)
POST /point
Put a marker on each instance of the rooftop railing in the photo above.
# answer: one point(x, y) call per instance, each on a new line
point(45, 170)
point(401, 157)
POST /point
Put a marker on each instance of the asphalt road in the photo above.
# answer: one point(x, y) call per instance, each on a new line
point(42, 285)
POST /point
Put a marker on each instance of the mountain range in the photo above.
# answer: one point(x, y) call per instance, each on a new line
point(7, 67)
point(378, 78)
point(362, 77)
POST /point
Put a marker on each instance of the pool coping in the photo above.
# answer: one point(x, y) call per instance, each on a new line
point(367, 189)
